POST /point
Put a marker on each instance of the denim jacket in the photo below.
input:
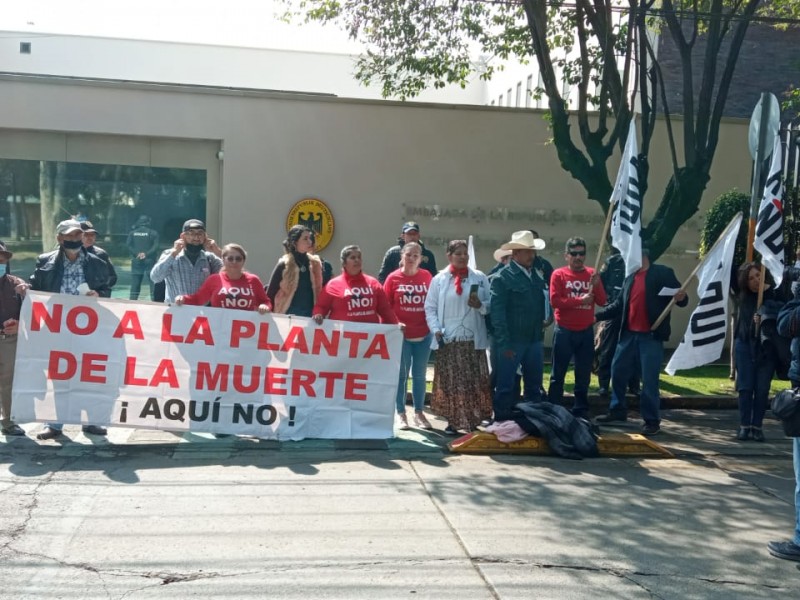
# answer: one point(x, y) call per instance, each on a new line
point(518, 307)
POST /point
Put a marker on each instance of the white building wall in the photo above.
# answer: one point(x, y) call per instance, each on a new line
point(200, 64)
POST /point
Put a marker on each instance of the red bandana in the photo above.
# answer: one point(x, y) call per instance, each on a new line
point(459, 275)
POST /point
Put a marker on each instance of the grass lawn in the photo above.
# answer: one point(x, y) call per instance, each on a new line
point(709, 380)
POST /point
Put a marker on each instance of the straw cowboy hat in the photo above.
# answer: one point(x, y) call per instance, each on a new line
point(500, 254)
point(523, 240)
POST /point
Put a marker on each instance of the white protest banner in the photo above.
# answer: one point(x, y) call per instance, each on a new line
point(150, 366)
point(626, 202)
point(769, 226)
point(702, 343)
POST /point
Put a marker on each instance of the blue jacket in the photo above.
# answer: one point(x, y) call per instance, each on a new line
point(518, 310)
point(50, 271)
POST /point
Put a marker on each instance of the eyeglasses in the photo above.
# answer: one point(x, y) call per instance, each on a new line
point(234, 258)
point(577, 252)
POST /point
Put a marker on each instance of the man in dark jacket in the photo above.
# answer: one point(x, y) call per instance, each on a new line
point(518, 313)
point(89, 238)
point(391, 260)
point(639, 306)
point(142, 243)
point(70, 269)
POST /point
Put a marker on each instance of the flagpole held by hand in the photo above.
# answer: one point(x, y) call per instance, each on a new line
point(760, 295)
point(686, 283)
point(603, 238)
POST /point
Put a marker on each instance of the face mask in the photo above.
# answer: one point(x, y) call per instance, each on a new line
point(72, 245)
point(193, 249)
point(3, 269)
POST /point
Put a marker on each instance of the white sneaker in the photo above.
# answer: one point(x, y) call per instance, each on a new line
point(402, 421)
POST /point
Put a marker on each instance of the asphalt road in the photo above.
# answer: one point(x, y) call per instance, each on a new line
point(147, 515)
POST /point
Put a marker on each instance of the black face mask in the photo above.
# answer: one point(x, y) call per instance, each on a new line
point(72, 245)
point(193, 249)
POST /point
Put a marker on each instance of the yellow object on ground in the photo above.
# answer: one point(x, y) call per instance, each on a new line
point(614, 444)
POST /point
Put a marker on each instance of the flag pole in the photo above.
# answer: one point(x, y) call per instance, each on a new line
point(604, 237)
point(686, 283)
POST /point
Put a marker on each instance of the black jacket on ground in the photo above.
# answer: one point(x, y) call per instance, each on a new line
point(657, 277)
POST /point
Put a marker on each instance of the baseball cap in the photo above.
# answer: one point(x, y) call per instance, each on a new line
point(410, 226)
point(4, 250)
point(88, 227)
point(68, 226)
point(194, 224)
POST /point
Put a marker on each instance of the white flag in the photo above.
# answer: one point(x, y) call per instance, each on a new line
point(472, 263)
point(702, 343)
point(769, 226)
point(626, 202)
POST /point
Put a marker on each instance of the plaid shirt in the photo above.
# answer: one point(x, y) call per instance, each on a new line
point(73, 275)
point(180, 275)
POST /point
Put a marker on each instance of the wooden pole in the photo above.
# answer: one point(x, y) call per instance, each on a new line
point(603, 238)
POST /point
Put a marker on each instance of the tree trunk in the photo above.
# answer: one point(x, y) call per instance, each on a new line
point(46, 205)
point(680, 201)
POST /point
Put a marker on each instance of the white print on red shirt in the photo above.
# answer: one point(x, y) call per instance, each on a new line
point(412, 296)
point(236, 297)
point(359, 297)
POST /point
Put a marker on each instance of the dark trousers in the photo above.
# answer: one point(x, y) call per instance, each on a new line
point(568, 346)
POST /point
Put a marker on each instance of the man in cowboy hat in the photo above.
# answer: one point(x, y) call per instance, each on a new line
point(518, 319)
point(574, 291)
point(391, 260)
point(11, 290)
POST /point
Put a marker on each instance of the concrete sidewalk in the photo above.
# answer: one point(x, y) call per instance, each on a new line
point(155, 515)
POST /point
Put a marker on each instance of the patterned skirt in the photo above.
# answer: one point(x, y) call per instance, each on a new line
point(461, 392)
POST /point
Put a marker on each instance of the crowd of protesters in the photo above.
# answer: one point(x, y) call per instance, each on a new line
point(487, 332)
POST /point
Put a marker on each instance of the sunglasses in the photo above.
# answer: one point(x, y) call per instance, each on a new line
point(577, 252)
point(234, 258)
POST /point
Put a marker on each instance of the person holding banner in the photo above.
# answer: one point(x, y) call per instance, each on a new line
point(406, 288)
point(232, 287)
point(70, 269)
point(184, 267)
point(12, 289)
point(298, 277)
point(457, 303)
point(353, 295)
point(639, 305)
point(755, 362)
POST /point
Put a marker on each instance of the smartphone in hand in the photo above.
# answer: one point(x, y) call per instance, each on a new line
point(473, 289)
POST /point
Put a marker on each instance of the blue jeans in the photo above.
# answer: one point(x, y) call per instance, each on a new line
point(415, 357)
point(529, 355)
point(566, 346)
point(796, 460)
point(650, 353)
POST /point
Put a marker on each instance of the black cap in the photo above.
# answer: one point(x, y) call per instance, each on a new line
point(410, 226)
point(5, 251)
point(88, 227)
point(194, 224)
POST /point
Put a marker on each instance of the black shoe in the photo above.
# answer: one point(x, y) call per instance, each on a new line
point(450, 430)
point(612, 417)
point(758, 434)
point(48, 433)
point(603, 392)
point(221, 436)
point(94, 430)
point(13, 430)
point(651, 429)
point(784, 550)
point(743, 434)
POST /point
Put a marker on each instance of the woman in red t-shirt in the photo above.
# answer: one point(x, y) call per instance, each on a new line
point(232, 287)
point(353, 296)
point(406, 288)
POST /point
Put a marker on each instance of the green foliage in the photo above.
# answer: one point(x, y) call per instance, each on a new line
point(722, 211)
point(596, 52)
